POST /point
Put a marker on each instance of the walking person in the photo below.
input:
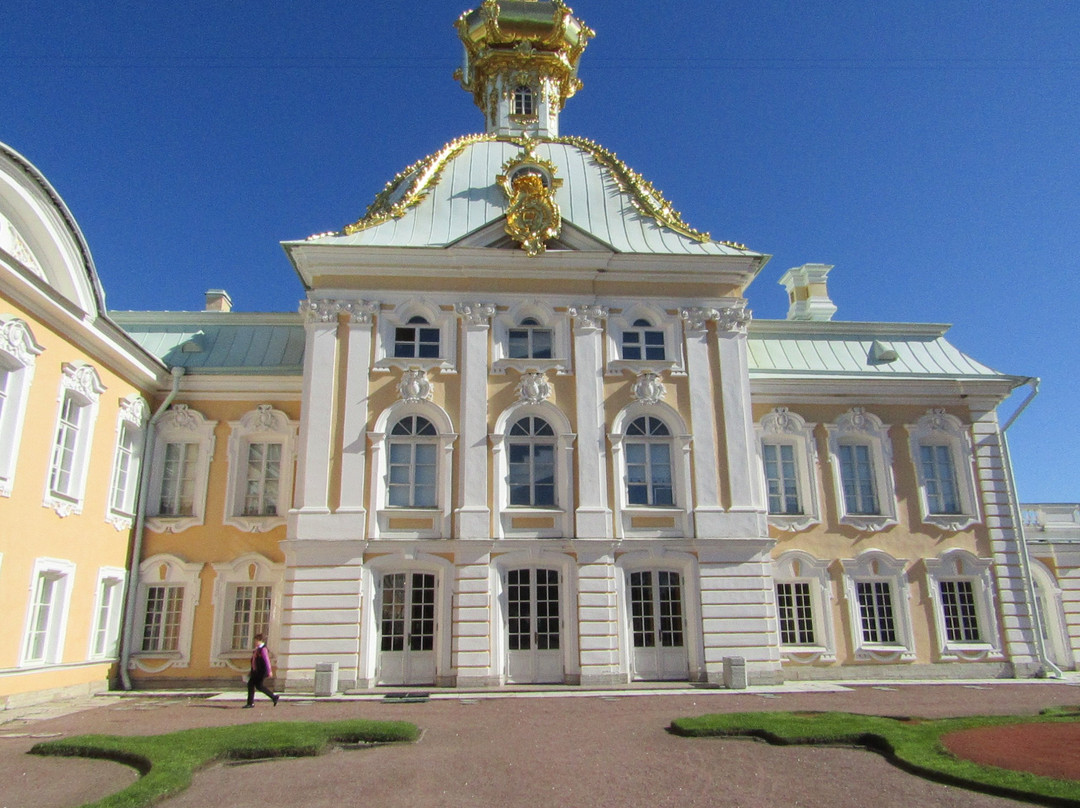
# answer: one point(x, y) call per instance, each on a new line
point(260, 671)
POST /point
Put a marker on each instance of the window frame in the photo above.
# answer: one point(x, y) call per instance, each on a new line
point(799, 567)
point(268, 426)
point(622, 323)
point(962, 566)
point(168, 571)
point(18, 354)
point(80, 387)
point(123, 495)
point(250, 569)
point(60, 572)
point(781, 427)
point(521, 96)
point(180, 425)
point(107, 624)
point(854, 428)
point(558, 323)
point(874, 567)
point(399, 316)
point(938, 428)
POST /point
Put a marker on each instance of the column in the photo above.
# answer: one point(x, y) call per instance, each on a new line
point(317, 405)
point(598, 618)
point(593, 517)
point(473, 515)
point(708, 510)
point(354, 428)
point(744, 477)
point(1002, 515)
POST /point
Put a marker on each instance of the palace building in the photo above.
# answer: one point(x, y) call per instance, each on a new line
point(523, 429)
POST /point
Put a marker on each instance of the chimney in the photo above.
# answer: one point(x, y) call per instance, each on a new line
point(218, 300)
point(808, 293)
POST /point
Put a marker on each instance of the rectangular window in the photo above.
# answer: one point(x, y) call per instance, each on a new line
point(178, 480)
point(857, 474)
point(643, 344)
point(107, 624)
point(958, 605)
point(414, 342)
point(780, 478)
point(876, 611)
point(41, 641)
point(65, 448)
point(263, 479)
point(796, 613)
point(251, 614)
point(5, 381)
point(529, 343)
point(939, 476)
point(412, 475)
point(125, 470)
point(164, 607)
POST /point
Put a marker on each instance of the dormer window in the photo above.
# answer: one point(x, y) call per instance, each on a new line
point(529, 340)
point(643, 341)
point(524, 102)
point(413, 341)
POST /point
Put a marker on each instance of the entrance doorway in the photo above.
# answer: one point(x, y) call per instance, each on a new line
point(658, 626)
point(533, 624)
point(407, 629)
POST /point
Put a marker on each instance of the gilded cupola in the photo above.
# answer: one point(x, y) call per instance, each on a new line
point(521, 63)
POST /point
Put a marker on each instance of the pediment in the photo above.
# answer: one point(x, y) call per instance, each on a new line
point(493, 236)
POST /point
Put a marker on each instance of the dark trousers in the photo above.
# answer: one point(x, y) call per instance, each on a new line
point(255, 682)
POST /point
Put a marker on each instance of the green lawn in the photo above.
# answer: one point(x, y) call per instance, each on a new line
point(167, 762)
point(913, 745)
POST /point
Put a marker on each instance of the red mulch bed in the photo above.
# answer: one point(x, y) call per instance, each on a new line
point(1052, 750)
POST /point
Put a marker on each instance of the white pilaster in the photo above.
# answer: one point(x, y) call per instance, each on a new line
point(738, 609)
point(598, 618)
point(473, 620)
point(708, 510)
point(744, 476)
point(593, 518)
point(353, 466)
point(320, 619)
point(473, 516)
point(1018, 626)
point(317, 408)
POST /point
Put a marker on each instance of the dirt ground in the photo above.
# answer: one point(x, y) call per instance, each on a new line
point(528, 751)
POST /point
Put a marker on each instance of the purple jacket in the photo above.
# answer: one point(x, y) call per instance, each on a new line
point(260, 661)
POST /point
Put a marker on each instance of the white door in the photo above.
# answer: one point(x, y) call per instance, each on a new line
point(407, 629)
point(656, 623)
point(532, 621)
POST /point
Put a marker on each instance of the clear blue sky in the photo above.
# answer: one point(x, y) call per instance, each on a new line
point(928, 149)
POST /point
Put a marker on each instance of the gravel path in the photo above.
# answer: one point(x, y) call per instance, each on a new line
point(532, 751)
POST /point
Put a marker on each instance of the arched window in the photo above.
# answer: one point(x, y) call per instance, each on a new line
point(412, 463)
point(529, 340)
point(413, 341)
point(524, 101)
point(648, 462)
point(531, 452)
point(643, 341)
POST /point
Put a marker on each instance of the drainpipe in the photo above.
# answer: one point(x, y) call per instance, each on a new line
point(140, 521)
point(1049, 668)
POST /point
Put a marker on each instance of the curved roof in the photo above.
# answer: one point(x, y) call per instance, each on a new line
point(453, 193)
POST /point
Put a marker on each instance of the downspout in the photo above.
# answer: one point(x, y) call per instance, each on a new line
point(137, 537)
point(1049, 668)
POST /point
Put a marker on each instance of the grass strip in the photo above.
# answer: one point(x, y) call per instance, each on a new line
point(911, 744)
point(167, 762)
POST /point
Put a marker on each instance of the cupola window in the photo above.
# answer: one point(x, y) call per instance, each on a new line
point(524, 101)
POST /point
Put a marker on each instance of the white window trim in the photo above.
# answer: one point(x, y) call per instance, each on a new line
point(857, 426)
point(557, 322)
point(399, 316)
point(163, 570)
point(796, 566)
point(61, 570)
point(81, 382)
point(617, 323)
point(960, 565)
point(938, 428)
point(783, 427)
point(873, 566)
point(18, 352)
point(264, 424)
point(252, 569)
point(134, 413)
point(118, 577)
point(682, 511)
point(180, 424)
point(563, 511)
point(377, 444)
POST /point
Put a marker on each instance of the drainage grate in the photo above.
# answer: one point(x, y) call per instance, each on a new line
point(412, 697)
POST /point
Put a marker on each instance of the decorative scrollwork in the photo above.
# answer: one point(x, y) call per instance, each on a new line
point(533, 388)
point(414, 386)
point(589, 316)
point(734, 318)
point(648, 388)
point(476, 314)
